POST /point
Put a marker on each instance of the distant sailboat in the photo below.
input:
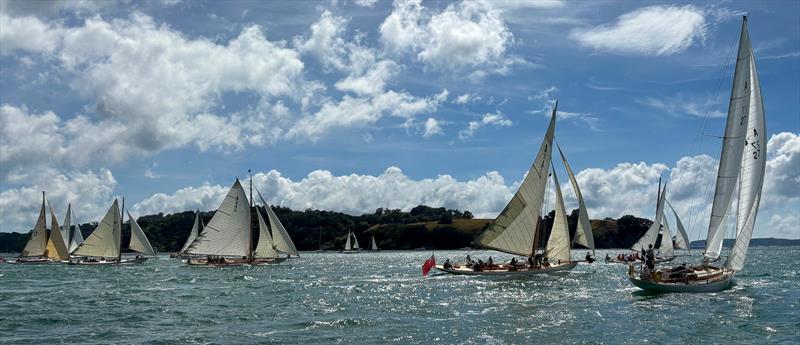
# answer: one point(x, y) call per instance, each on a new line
point(742, 161)
point(351, 247)
point(517, 229)
point(74, 236)
point(659, 225)
point(373, 246)
point(104, 245)
point(35, 249)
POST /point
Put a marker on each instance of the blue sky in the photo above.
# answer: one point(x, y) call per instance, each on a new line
point(355, 105)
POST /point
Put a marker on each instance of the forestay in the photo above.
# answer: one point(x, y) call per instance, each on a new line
point(558, 244)
point(753, 161)
point(105, 239)
point(228, 232)
point(514, 229)
point(139, 241)
point(583, 231)
point(38, 240)
point(265, 247)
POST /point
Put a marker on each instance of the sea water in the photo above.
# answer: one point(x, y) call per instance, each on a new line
point(373, 298)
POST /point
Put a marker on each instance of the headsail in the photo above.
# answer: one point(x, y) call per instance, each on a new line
point(733, 144)
point(558, 243)
point(139, 241)
point(193, 234)
point(514, 229)
point(666, 248)
point(347, 245)
point(681, 240)
point(265, 247)
point(57, 247)
point(283, 243)
point(753, 162)
point(38, 241)
point(355, 242)
point(77, 236)
point(651, 235)
point(583, 231)
point(228, 232)
point(373, 245)
point(104, 240)
point(66, 232)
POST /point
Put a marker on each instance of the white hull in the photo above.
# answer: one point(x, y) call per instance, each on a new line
point(355, 251)
point(504, 270)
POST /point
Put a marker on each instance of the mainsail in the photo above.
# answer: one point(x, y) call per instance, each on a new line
point(514, 229)
point(283, 243)
point(38, 241)
point(373, 245)
point(228, 232)
point(753, 159)
point(265, 247)
point(681, 240)
point(56, 246)
point(105, 239)
point(741, 115)
point(583, 231)
point(139, 241)
point(558, 243)
point(651, 235)
point(347, 245)
point(355, 242)
point(193, 234)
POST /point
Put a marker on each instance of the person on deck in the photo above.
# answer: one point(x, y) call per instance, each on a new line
point(650, 258)
point(589, 257)
point(608, 257)
point(545, 263)
point(447, 264)
point(530, 262)
point(469, 260)
point(513, 262)
point(490, 262)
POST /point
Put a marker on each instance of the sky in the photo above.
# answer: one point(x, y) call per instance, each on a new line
point(356, 105)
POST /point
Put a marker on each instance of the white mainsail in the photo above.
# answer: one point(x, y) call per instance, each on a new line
point(56, 246)
point(193, 234)
point(558, 243)
point(265, 247)
point(37, 243)
point(105, 239)
point(583, 231)
point(228, 232)
point(666, 248)
point(514, 229)
point(347, 245)
point(651, 235)
point(355, 242)
point(681, 240)
point(139, 241)
point(740, 117)
point(283, 243)
point(753, 162)
point(373, 245)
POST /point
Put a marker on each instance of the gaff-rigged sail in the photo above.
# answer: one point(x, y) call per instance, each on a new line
point(514, 229)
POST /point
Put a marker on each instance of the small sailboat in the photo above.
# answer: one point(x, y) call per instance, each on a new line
point(373, 246)
point(39, 246)
point(197, 227)
point(659, 226)
point(351, 247)
point(104, 245)
point(742, 162)
point(517, 229)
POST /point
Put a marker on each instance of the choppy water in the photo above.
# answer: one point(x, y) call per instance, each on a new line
point(381, 298)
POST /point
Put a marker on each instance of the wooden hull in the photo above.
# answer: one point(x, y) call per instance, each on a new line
point(503, 270)
point(25, 261)
point(717, 280)
point(93, 263)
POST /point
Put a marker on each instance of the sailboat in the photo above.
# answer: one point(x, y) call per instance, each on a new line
point(43, 247)
point(104, 245)
point(373, 246)
point(517, 229)
point(351, 247)
point(227, 238)
point(72, 235)
point(659, 226)
point(742, 162)
point(196, 229)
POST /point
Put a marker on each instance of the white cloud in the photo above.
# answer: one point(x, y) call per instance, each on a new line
point(205, 198)
point(366, 3)
point(431, 128)
point(682, 106)
point(785, 225)
point(653, 30)
point(511, 5)
point(26, 34)
point(545, 98)
point(467, 98)
point(783, 167)
point(495, 119)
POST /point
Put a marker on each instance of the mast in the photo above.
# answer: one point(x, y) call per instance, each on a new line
point(121, 220)
point(320, 238)
point(250, 230)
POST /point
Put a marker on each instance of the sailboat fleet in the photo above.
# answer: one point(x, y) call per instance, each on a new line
point(229, 238)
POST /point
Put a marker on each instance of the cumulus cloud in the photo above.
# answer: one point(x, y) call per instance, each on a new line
point(26, 34)
point(652, 30)
point(366, 3)
point(546, 99)
point(467, 98)
point(682, 106)
point(205, 198)
point(496, 119)
point(431, 128)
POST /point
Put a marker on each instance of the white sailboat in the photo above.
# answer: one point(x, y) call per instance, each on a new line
point(72, 230)
point(34, 251)
point(351, 247)
point(742, 162)
point(373, 246)
point(517, 228)
point(659, 226)
point(104, 245)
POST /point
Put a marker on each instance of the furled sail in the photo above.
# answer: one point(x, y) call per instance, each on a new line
point(104, 240)
point(681, 240)
point(347, 245)
point(373, 245)
point(56, 246)
point(38, 241)
point(139, 241)
point(514, 229)
point(265, 247)
point(228, 232)
point(193, 234)
point(583, 231)
point(733, 144)
point(753, 163)
point(666, 248)
point(283, 243)
point(651, 235)
point(558, 243)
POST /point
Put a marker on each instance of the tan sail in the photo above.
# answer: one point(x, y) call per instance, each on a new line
point(37, 243)
point(56, 246)
point(104, 241)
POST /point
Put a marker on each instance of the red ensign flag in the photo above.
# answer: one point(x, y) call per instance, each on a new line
point(426, 267)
